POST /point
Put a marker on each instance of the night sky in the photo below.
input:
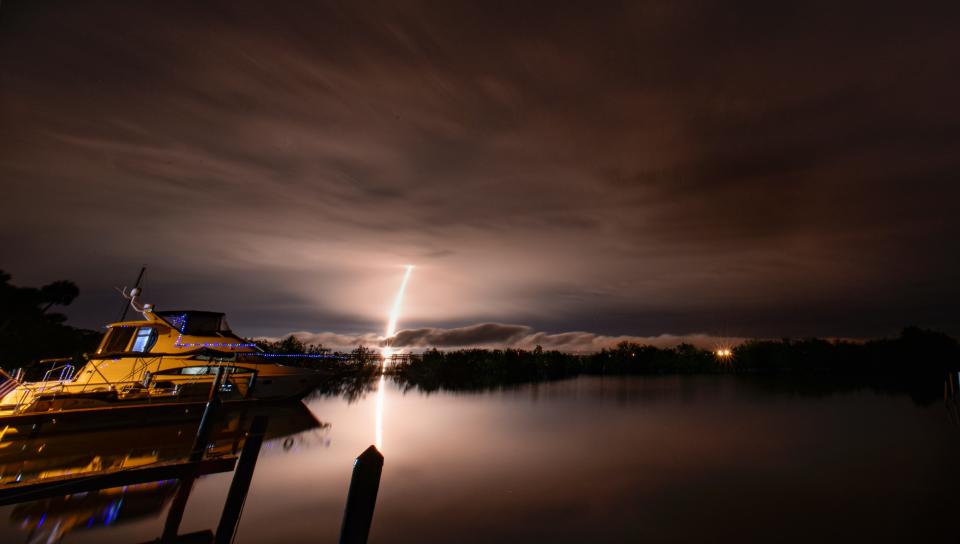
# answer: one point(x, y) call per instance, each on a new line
point(750, 169)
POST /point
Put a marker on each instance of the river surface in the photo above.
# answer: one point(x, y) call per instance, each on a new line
point(672, 459)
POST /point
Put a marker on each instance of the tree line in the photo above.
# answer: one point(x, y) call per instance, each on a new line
point(916, 361)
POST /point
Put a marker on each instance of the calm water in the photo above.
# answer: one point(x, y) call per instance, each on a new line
point(598, 460)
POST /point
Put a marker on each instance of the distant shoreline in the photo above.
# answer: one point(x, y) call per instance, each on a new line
point(916, 363)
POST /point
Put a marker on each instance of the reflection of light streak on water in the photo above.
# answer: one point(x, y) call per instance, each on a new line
point(395, 311)
point(381, 389)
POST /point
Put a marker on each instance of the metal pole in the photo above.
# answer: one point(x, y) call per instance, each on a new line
point(209, 412)
point(362, 497)
point(240, 485)
point(126, 303)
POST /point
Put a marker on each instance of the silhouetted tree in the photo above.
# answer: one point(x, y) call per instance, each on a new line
point(29, 331)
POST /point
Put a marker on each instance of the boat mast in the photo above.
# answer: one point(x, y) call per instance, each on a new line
point(126, 303)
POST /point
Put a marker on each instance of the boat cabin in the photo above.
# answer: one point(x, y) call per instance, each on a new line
point(172, 333)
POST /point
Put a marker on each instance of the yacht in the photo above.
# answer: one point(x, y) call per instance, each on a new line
point(165, 357)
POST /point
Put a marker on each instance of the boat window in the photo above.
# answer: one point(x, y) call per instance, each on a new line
point(202, 370)
point(117, 340)
point(145, 339)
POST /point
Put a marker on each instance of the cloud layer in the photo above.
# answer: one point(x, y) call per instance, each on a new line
point(625, 168)
point(499, 335)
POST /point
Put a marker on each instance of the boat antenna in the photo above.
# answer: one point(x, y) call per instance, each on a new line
point(133, 294)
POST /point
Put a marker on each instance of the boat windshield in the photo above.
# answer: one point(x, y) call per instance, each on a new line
point(196, 323)
point(116, 340)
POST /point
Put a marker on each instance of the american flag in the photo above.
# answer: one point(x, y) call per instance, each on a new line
point(7, 384)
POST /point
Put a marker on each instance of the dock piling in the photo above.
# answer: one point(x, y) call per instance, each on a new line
point(362, 497)
point(240, 484)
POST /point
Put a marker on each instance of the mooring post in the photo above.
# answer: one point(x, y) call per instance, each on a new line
point(362, 497)
point(241, 481)
point(209, 412)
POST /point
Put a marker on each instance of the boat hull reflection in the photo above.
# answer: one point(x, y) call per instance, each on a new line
point(49, 519)
point(26, 456)
point(29, 460)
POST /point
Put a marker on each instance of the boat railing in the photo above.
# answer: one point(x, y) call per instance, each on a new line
point(153, 388)
point(66, 372)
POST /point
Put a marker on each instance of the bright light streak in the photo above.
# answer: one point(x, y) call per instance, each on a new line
point(395, 311)
point(387, 352)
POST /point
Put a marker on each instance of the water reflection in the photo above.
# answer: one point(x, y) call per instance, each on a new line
point(378, 424)
point(88, 464)
point(691, 459)
point(27, 457)
point(50, 520)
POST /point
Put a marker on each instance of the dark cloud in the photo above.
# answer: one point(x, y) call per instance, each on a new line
point(479, 334)
point(629, 168)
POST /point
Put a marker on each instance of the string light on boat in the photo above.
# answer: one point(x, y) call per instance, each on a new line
point(180, 323)
point(180, 344)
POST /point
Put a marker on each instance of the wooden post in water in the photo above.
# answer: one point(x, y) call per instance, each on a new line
point(240, 484)
point(209, 412)
point(362, 497)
